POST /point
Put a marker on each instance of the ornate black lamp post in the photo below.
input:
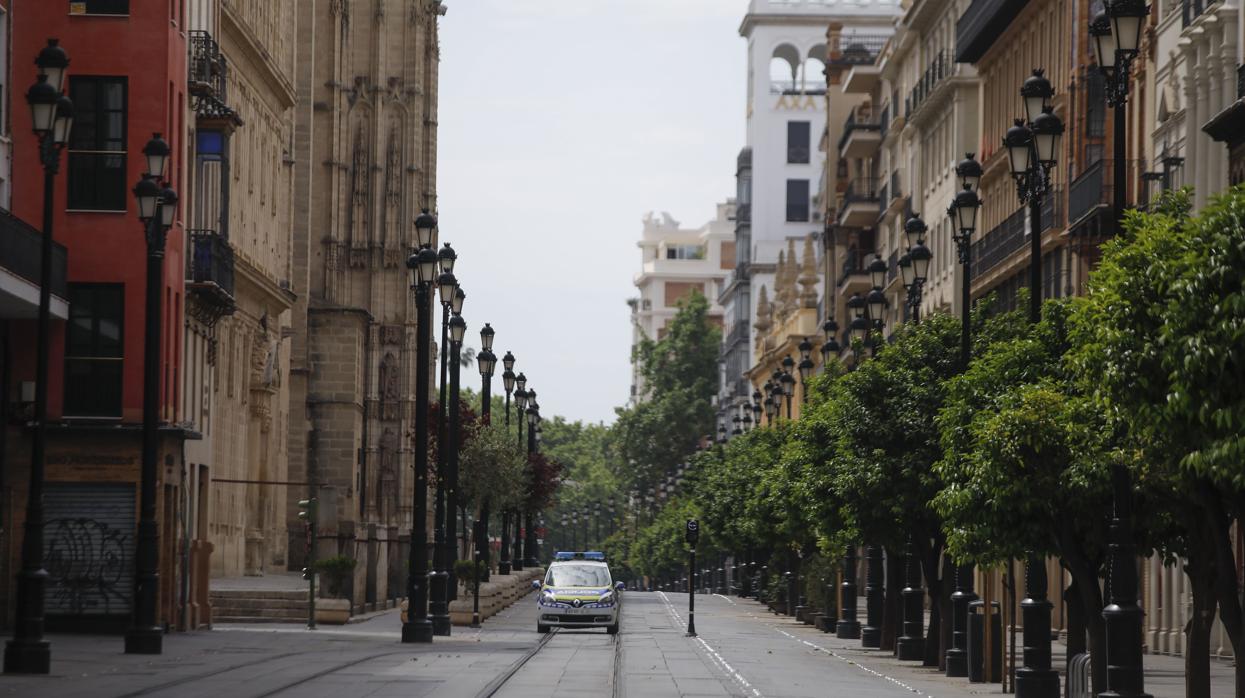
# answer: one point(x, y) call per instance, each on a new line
point(157, 209)
point(51, 119)
point(1116, 38)
point(806, 367)
point(1033, 150)
point(423, 264)
point(787, 381)
point(513, 559)
point(848, 627)
point(830, 348)
point(875, 597)
point(442, 550)
point(771, 407)
point(507, 377)
point(963, 214)
point(533, 445)
point(487, 361)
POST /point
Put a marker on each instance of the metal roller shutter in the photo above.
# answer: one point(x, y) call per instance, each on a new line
point(88, 541)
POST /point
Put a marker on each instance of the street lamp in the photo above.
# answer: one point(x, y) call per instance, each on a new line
point(963, 214)
point(1116, 35)
point(157, 207)
point(417, 627)
point(52, 120)
point(969, 172)
point(830, 348)
point(787, 381)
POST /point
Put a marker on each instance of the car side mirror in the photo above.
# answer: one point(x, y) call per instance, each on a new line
point(536, 584)
point(620, 586)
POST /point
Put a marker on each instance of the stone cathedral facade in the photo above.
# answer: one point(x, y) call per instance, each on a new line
point(364, 153)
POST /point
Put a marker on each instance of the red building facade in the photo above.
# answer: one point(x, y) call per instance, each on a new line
point(128, 79)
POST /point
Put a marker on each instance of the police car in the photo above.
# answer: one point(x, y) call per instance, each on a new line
point(577, 592)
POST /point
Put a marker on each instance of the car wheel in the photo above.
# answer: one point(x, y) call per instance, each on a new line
point(542, 628)
point(612, 629)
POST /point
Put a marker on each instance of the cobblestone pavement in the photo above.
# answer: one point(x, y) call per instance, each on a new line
point(741, 650)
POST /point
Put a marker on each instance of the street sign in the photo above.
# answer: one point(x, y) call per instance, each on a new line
point(693, 531)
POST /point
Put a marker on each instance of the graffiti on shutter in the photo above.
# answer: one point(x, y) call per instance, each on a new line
point(88, 543)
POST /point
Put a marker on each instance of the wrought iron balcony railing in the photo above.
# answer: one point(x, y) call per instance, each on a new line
point(210, 269)
point(207, 77)
point(21, 249)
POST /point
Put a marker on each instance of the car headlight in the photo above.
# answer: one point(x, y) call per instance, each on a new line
point(606, 601)
point(546, 599)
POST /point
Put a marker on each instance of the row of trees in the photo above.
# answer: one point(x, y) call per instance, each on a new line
point(1011, 456)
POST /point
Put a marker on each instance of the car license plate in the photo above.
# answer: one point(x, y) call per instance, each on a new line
point(581, 611)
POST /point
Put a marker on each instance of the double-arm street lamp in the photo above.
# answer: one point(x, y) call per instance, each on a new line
point(533, 445)
point(487, 361)
point(805, 367)
point(1116, 35)
point(423, 264)
point(51, 115)
point(963, 214)
point(157, 209)
point(787, 381)
point(451, 300)
point(1033, 145)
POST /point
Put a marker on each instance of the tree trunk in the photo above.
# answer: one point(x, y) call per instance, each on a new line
point(934, 588)
point(1076, 629)
point(1085, 574)
point(1197, 630)
point(891, 612)
point(1226, 589)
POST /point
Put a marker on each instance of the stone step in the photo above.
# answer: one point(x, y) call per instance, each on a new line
point(216, 618)
point(257, 594)
point(257, 604)
point(219, 612)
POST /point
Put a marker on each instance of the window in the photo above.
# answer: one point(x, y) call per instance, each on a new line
point(93, 350)
point(685, 252)
point(97, 146)
point(99, 7)
point(1096, 107)
point(797, 142)
point(797, 200)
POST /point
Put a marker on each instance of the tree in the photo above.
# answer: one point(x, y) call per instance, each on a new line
point(680, 376)
point(491, 469)
point(1025, 465)
point(1160, 345)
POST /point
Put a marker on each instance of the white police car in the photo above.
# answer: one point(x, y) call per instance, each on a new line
point(577, 592)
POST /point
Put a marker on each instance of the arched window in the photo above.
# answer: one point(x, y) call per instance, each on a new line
point(784, 68)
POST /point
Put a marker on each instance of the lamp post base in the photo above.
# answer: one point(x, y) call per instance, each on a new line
point(911, 649)
point(417, 631)
point(1037, 683)
point(144, 641)
point(22, 657)
point(503, 567)
point(870, 637)
point(957, 662)
point(847, 630)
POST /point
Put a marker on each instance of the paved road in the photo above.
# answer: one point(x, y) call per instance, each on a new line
point(742, 650)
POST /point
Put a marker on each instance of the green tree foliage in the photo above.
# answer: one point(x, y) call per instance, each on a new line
point(491, 466)
point(1160, 347)
point(680, 377)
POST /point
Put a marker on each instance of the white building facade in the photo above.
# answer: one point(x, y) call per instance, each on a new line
point(676, 262)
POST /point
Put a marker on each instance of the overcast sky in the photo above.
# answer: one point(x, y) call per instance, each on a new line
point(561, 123)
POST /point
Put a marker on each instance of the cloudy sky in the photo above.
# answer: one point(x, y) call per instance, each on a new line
point(562, 123)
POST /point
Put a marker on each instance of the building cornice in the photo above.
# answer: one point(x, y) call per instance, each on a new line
point(266, 71)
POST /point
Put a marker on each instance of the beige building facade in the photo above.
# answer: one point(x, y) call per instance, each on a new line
point(364, 162)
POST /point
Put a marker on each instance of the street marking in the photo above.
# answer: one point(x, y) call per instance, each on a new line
point(854, 663)
point(727, 599)
point(713, 654)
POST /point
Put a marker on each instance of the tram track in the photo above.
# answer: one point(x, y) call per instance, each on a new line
point(498, 684)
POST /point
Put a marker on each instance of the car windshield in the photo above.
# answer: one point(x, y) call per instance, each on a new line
point(578, 576)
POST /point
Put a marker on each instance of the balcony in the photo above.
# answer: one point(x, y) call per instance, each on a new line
point(862, 133)
point(1091, 197)
point(206, 80)
point(861, 203)
point(858, 50)
point(21, 253)
point(1225, 126)
point(1011, 237)
point(940, 68)
point(981, 24)
point(209, 275)
point(854, 274)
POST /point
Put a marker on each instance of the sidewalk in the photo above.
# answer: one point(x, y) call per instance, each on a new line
point(242, 660)
point(1164, 674)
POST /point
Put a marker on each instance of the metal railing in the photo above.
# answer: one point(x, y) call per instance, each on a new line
point(206, 79)
point(21, 252)
point(1010, 236)
point(1078, 676)
point(854, 262)
point(858, 50)
point(860, 118)
point(210, 260)
point(861, 189)
point(940, 68)
point(1090, 190)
